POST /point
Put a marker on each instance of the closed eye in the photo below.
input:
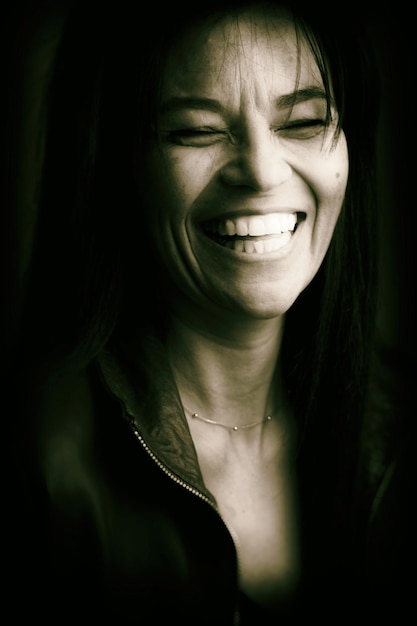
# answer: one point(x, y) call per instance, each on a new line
point(196, 137)
point(303, 129)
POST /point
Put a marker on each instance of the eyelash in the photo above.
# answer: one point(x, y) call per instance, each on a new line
point(202, 137)
point(306, 129)
point(206, 136)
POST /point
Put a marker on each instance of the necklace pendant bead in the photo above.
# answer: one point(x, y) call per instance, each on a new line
point(267, 418)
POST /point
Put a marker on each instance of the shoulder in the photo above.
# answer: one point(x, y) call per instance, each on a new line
point(388, 471)
point(64, 424)
point(387, 421)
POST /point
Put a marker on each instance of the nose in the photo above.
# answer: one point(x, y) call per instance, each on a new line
point(259, 162)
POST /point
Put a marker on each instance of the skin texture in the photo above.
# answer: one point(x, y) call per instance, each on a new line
point(241, 151)
point(237, 143)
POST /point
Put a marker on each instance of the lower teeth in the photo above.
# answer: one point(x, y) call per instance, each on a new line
point(259, 246)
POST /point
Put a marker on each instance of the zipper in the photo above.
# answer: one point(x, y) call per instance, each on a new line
point(131, 421)
point(195, 492)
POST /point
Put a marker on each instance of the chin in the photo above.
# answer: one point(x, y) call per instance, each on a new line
point(265, 306)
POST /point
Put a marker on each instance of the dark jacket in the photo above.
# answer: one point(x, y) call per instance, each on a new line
point(118, 526)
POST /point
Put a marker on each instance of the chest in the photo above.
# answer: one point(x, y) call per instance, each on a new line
point(257, 500)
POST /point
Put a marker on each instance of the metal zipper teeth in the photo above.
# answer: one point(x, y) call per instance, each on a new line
point(174, 477)
point(197, 493)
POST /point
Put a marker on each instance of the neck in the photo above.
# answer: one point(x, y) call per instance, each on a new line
point(229, 378)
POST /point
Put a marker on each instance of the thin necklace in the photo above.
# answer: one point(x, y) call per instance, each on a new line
point(196, 416)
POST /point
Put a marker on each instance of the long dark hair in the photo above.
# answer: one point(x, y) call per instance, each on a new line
point(82, 288)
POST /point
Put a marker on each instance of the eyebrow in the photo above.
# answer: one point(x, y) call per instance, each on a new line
point(178, 103)
point(302, 95)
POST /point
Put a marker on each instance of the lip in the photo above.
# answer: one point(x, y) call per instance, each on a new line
point(247, 211)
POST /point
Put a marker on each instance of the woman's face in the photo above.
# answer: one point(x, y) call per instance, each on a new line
point(247, 184)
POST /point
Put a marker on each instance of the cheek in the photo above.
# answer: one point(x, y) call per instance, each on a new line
point(337, 189)
point(334, 176)
point(180, 176)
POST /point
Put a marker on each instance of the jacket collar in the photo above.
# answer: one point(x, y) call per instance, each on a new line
point(139, 376)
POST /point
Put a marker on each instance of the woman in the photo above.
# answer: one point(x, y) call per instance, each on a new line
point(200, 321)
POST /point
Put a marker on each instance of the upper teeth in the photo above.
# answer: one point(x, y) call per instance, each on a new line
point(257, 225)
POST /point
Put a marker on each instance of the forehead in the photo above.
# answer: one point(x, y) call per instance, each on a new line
point(252, 53)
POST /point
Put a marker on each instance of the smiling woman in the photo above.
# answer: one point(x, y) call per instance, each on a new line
point(252, 137)
point(205, 437)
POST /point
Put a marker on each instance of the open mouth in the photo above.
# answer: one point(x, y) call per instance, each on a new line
point(254, 234)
